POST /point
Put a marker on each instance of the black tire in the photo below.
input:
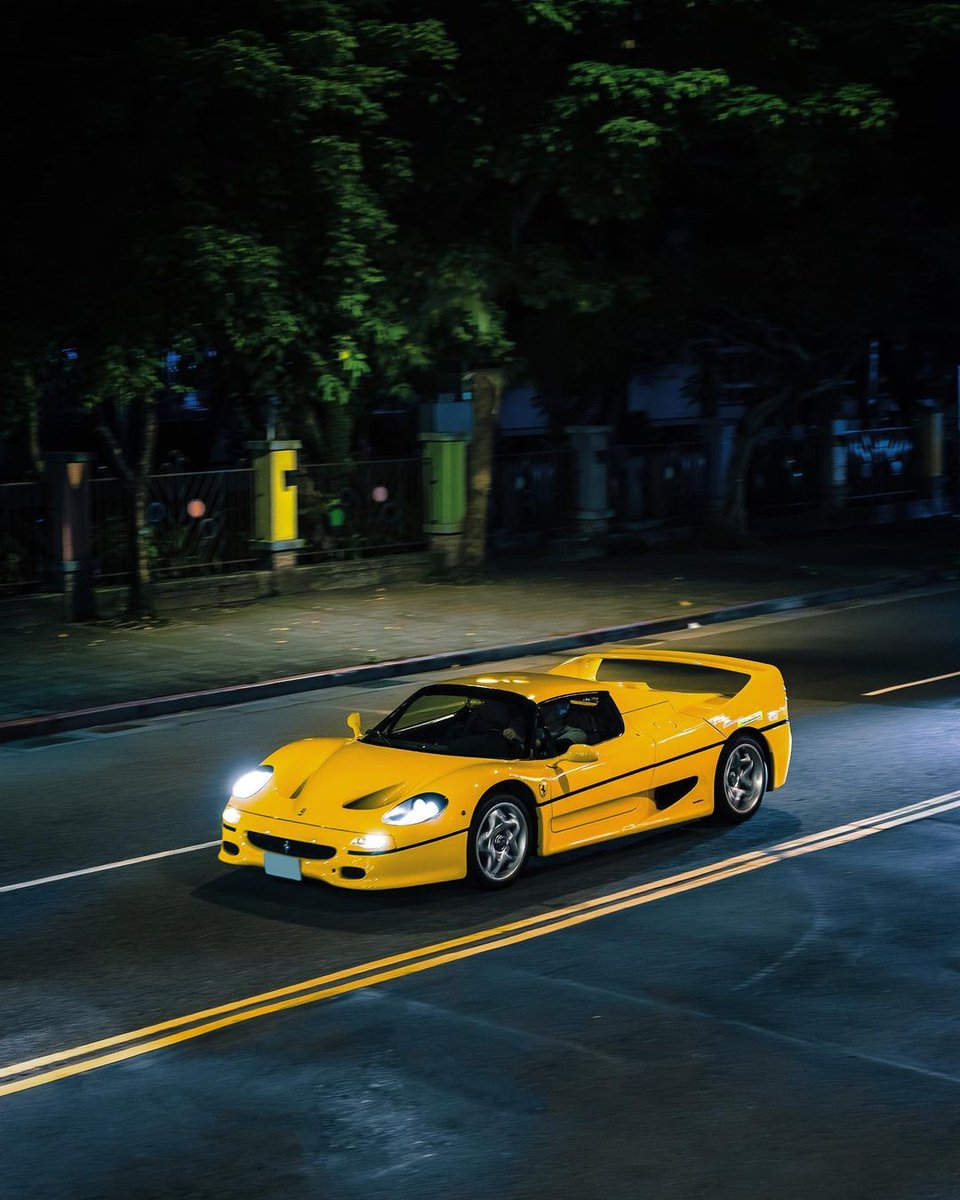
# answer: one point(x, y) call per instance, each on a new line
point(741, 779)
point(499, 841)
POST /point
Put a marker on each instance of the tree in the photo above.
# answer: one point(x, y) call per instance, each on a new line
point(304, 194)
point(204, 181)
point(629, 176)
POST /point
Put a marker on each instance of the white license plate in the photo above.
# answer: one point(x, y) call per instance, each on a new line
point(282, 865)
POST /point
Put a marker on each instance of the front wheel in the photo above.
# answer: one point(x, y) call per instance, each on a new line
point(741, 779)
point(499, 842)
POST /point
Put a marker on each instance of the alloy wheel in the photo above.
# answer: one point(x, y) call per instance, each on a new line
point(502, 841)
point(744, 778)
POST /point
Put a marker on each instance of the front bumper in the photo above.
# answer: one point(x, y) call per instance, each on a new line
point(426, 860)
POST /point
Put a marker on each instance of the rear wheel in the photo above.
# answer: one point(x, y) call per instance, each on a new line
point(499, 841)
point(741, 779)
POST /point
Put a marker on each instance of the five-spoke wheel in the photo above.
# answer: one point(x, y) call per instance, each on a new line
point(499, 841)
point(741, 779)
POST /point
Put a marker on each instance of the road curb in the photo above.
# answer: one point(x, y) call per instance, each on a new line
point(245, 693)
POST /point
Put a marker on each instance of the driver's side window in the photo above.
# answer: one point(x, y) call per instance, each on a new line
point(587, 719)
point(600, 715)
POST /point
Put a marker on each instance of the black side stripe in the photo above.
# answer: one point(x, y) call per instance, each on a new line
point(627, 774)
point(650, 766)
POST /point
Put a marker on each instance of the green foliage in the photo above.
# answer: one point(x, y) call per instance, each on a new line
point(336, 196)
point(120, 376)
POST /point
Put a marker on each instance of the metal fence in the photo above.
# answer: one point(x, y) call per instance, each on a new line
point(658, 481)
point(23, 537)
point(355, 510)
point(789, 473)
point(951, 462)
point(784, 473)
point(203, 522)
point(532, 493)
point(199, 522)
point(881, 463)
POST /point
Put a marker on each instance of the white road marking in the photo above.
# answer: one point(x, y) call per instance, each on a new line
point(177, 1030)
point(836, 835)
point(124, 862)
point(897, 687)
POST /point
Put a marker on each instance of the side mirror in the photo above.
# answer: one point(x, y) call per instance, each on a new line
point(580, 754)
point(353, 724)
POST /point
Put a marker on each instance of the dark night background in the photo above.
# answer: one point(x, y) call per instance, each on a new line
point(348, 345)
point(326, 213)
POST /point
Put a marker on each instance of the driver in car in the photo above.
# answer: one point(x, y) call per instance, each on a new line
point(554, 732)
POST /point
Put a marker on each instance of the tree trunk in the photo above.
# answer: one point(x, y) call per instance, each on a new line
point(35, 450)
point(734, 520)
point(487, 390)
point(135, 481)
point(735, 508)
point(33, 433)
point(139, 592)
point(825, 464)
point(313, 441)
point(140, 601)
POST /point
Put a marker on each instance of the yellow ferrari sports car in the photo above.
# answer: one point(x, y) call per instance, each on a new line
point(468, 778)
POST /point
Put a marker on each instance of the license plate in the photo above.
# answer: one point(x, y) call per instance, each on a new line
point(282, 865)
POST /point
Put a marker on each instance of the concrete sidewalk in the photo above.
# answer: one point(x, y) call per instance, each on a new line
point(50, 666)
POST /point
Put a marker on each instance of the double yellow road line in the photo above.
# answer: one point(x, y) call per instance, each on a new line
point(77, 1060)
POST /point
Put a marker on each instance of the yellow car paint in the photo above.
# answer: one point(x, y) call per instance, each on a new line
point(326, 792)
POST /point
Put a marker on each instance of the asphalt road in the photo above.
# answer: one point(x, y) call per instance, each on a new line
point(739, 1021)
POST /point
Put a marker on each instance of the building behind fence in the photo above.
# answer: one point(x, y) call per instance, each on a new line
point(867, 466)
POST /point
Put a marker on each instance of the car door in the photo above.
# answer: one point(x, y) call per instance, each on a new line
point(589, 802)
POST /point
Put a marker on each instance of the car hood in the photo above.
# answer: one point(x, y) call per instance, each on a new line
point(360, 777)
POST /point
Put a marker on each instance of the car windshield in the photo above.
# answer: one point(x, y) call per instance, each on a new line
point(463, 721)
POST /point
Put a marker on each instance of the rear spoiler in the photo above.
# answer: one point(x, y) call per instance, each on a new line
point(728, 692)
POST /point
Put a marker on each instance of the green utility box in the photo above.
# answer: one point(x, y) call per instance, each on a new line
point(444, 482)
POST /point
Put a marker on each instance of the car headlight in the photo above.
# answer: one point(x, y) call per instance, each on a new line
point(248, 785)
point(416, 810)
point(231, 815)
point(373, 843)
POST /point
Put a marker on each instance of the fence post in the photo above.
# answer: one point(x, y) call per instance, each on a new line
point(444, 495)
point(69, 565)
point(838, 478)
point(275, 517)
point(930, 456)
point(590, 447)
point(719, 434)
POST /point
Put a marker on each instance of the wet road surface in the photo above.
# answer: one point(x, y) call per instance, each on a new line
point(786, 1030)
